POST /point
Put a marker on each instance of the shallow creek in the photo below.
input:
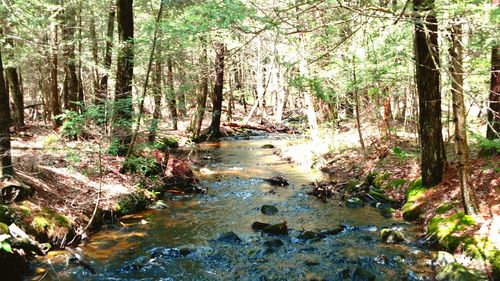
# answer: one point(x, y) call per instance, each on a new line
point(181, 241)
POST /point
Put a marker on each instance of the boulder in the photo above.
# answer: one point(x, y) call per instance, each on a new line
point(391, 236)
point(277, 181)
point(444, 258)
point(354, 202)
point(387, 212)
point(333, 231)
point(267, 146)
point(457, 272)
point(362, 274)
point(309, 235)
point(268, 210)
point(259, 225)
point(229, 237)
point(276, 229)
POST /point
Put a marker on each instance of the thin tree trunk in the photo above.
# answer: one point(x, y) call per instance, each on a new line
point(54, 89)
point(157, 93)
point(102, 93)
point(95, 58)
point(122, 115)
point(201, 99)
point(356, 106)
point(493, 127)
point(427, 75)
point(218, 87)
point(171, 99)
point(68, 33)
point(17, 96)
point(6, 168)
point(457, 82)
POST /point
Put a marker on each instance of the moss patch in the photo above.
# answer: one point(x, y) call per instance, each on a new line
point(6, 214)
point(445, 208)
point(446, 229)
point(413, 209)
point(131, 203)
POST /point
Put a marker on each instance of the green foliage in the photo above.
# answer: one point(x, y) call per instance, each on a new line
point(487, 144)
point(400, 153)
point(144, 165)
point(6, 214)
point(40, 224)
point(4, 244)
point(166, 142)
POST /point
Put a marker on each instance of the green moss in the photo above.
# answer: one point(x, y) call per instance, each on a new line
point(353, 185)
point(40, 224)
point(6, 214)
point(495, 264)
point(379, 196)
point(62, 220)
point(4, 229)
point(24, 210)
point(445, 208)
point(456, 271)
point(445, 229)
point(131, 203)
point(413, 208)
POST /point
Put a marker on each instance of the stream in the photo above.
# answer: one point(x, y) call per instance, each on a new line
point(186, 240)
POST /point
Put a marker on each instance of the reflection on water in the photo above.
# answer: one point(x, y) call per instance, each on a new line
point(180, 242)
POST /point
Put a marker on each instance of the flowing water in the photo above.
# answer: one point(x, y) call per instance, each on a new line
point(182, 241)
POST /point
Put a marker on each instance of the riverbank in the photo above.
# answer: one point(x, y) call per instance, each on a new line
point(390, 166)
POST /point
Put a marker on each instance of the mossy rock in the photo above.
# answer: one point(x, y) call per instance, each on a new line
point(4, 229)
point(444, 229)
point(457, 272)
point(381, 197)
point(269, 210)
point(354, 202)
point(413, 208)
point(388, 235)
point(50, 226)
point(387, 212)
point(131, 203)
point(445, 208)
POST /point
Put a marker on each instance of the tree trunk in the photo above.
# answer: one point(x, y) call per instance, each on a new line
point(55, 107)
point(493, 130)
point(123, 110)
point(218, 87)
point(427, 76)
point(201, 99)
point(95, 58)
point(156, 96)
point(356, 105)
point(457, 82)
point(171, 99)
point(68, 34)
point(17, 96)
point(102, 92)
point(6, 168)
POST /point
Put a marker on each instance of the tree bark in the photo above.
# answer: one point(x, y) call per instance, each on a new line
point(201, 99)
point(68, 33)
point(427, 76)
point(124, 73)
point(55, 107)
point(493, 127)
point(218, 87)
point(457, 82)
point(6, 168)
point(171, 99)
point(17, 96)
point(102, 92)
point(156, 96)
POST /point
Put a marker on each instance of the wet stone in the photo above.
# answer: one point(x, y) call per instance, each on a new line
point(362, 274)
point(165, 253)
point(278, 181)
point(276, 229)
point(259, 225)
point(333, 231)
point(269, 210)
point(267, 146)
point(354, 202)
point(229, 237)
point(274, 243)
point(392, 236)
